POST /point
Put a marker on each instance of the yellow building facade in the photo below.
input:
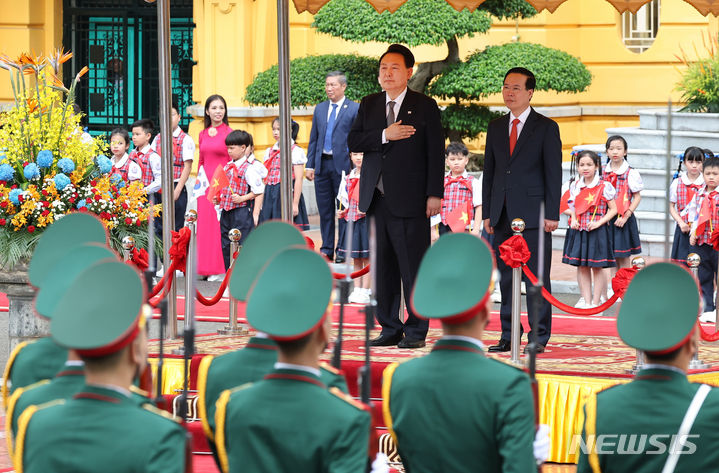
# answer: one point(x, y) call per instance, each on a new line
point(236, 39)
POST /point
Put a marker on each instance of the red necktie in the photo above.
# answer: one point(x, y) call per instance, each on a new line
point(513, 136)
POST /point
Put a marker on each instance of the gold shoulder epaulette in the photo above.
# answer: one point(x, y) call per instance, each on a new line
point(330, 368)
point(139, 391)
point(160, 412)
point(348, 399)
point(240, 387)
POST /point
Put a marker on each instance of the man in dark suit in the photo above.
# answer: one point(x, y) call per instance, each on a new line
point(522, 168)
point(401, 186)
point(328, 156)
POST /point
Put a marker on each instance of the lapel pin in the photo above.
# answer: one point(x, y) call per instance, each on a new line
point(344, 106)
point(409, 112)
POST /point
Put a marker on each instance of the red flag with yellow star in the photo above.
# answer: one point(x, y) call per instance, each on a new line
point(218, 182)
point(622, 200)
point(459, 217)
point(587, 199)
point(564, 202)
point(705, 215)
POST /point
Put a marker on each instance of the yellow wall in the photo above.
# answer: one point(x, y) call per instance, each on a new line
point(236, 39)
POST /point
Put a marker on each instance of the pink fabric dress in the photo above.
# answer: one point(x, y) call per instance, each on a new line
point(213, 153)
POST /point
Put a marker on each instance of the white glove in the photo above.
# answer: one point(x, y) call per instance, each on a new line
point(380, 464)
point(541, 444)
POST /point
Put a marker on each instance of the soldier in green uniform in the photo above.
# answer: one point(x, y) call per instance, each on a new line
point(289, 421)
point(41, 359)
point(455, 409)
point(259, 356)
point(659, 421)
point(101, 428)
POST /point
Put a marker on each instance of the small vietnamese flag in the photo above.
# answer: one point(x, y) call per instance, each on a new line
point(564, 202)
point(703, 217)
point(587, 199)
point(622, 201)
point(218, 182)
point(459, 217)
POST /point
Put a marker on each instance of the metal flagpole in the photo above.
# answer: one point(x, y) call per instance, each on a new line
point(283, 52)
point(168, 204)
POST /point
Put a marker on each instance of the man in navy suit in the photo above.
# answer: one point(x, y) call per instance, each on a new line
point(328, 156)
point(522, 168)
point(401, 186)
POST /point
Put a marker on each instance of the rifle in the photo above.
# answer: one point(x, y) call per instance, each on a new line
point(344, 286)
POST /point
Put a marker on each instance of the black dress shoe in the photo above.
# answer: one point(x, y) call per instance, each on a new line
point(503, 345)
point(540, 349)
point(339, 259)
point(411, 343)
point(385, 341)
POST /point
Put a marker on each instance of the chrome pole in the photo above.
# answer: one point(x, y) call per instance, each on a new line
point(516, 337)
point(638, 263)
point(693, 261)
point(128, 244)
point(232, 327)
point(283, 52)
point(168, 204)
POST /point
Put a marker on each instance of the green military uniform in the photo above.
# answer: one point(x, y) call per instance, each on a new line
point(631, 425)
point(103, 427)
point(455, 409)
point(257, 358)
point(289, 421)
point(52, 258)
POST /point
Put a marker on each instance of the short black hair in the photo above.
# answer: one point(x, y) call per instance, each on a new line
point(694, 153)
point(652, 358)
point(586, 153)
point(615, 138)
point(456, 147)
point(293, 347)
point(399, 49)
point(122, 133)
point(294, 127)
point(531, 81)
point(146, 124)
point(238, 138)
point(711, 163)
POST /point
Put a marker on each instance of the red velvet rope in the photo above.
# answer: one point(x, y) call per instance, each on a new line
point(708, 336)
point(163, 284)
point(355, 275)
point(216, 298)
point(515, 253)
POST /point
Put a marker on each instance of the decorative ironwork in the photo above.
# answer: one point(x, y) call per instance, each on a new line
point(117, 40)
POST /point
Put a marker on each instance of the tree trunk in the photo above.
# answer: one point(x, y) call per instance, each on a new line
point(428, 70)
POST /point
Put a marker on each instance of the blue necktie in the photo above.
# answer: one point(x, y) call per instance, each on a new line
point(330, 128)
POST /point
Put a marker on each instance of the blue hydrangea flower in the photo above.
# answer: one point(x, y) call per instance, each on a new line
point(81, 204)
point(44, 159)
point(104, 164)
point(7, 172)
point(61, 181)
point(31, 171)
point(66, 165)
point(14, 194)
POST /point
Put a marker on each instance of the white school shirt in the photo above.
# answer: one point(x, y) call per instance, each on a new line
point(134, 171)
point(342, 194)
point(298, 154)
point(254, 174)
point(687, 182)
point(476, 196)
point(634, 180)
point(609, 192)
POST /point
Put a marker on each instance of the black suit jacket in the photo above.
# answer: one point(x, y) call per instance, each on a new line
point(531, 175)
point(412, 169)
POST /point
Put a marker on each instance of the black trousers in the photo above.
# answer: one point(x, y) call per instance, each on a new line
point(540, 323)
point(180, 209)
point(707, 273)
point(239, 218)
point(327, 183)
point(401, 243)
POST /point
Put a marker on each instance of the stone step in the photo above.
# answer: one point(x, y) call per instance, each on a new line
point(652, 245)
point(638, 138)
point(656, 119)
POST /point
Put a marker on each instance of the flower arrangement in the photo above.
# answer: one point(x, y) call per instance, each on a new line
point(49, 167)
point(699, 84)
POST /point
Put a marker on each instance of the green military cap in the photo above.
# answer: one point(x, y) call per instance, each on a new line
point(71, 230)
point(265, 241)
point(659, 309)
point(291, 295)
point(102, 310)
point(454, 279)
point(60, 276)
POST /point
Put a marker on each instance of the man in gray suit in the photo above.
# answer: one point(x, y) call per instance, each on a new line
point(328, 155)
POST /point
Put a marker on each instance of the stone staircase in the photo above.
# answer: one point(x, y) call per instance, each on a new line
point(647, 154)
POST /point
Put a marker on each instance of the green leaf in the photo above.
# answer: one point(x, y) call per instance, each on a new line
point(469, 120)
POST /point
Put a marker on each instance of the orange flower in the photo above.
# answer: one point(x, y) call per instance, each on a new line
point(58, 57)
point(56, 80)
point(31, 104)
point(82, 72)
